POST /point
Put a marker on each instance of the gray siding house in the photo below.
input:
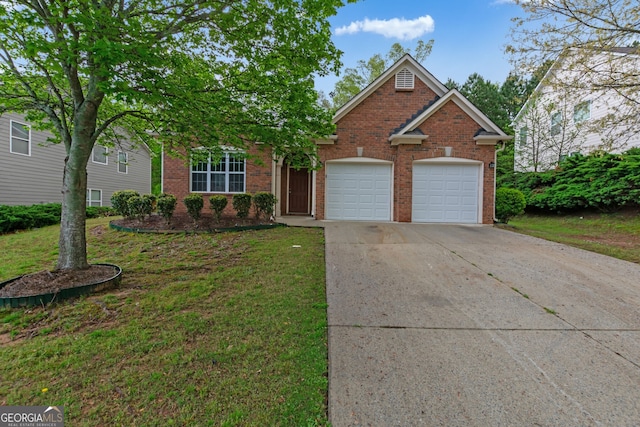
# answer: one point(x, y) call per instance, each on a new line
point(31, 167)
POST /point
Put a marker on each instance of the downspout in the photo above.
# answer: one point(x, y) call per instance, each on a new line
point(495, 171)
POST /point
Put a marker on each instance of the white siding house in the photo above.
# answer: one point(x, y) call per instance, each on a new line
point(31, 167)
point(563, 117)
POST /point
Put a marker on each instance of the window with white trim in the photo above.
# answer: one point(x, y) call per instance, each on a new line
point(522, 136)
point(582, 112)
point(20, 137)
point(226, 176)
point(556, 123)
point(100, 154)
point(123, 162)
point(94, 197)
point(404, 79)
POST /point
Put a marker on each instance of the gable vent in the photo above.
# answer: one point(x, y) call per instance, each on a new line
point(404, 79)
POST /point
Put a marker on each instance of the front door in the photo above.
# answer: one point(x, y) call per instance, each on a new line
point(298, 191)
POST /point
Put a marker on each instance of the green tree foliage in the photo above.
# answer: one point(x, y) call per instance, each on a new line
point(206, 72)
point(217, 204)
point(366, 71)
point(242, 204)
point(509, 203)
point(601, 181)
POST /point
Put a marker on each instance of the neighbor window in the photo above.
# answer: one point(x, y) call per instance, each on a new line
point(20, 138)
point(556, 123)
point(94, 197)
point(100, 154)
point(582, 112)
point(123, 162)
point(522, 136)
point(226, 176)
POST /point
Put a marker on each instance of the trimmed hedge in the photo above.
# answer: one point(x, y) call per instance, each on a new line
point(600, 181)
point(509, 203)
point(242, 204)
point(15, 218)
point(264, 203)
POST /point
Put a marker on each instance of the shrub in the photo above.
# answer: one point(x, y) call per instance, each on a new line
point(194, 204)
point(13, 218)
point(509, 203)
point(166, 205)
point(218, 203)
point(100, 211)
point(153, 202)
point(119, 201)
point(264, 204)
point(139, 206)
point(242, 204)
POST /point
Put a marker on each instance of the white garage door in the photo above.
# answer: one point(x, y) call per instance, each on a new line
point(356, 191)
point(445, 193)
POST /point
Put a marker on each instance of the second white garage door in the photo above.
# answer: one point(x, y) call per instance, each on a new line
point(358, 191)
point(445, 193)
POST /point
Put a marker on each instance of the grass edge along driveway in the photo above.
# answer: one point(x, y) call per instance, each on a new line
point(205, 329)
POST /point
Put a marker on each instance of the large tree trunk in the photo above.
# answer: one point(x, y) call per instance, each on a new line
point(72, 247)
point(72, 251)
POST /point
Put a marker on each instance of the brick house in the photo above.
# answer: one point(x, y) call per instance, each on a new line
point(405, 149)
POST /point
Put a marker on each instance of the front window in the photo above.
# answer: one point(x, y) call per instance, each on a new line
point(225, 176)
point(100, 154)
point(556, 123)
point(20, 139)
point(94, 197)
point(582, 112)
point(123, 162)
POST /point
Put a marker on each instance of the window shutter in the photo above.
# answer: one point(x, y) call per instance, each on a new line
point(404, 79)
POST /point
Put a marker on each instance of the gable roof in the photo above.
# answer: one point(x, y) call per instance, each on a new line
point(406, 61)
point(489, 132)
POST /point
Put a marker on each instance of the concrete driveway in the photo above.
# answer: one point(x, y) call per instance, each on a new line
point(452, 325)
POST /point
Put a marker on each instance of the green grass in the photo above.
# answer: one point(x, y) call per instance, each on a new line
point(616, 235)
point(221, 330)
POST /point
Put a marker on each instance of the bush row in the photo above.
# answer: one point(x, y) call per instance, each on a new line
point(599, 181)
point(14, 218)
point(130, 204)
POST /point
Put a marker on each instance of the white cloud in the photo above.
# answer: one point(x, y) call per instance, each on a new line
point(400, 28)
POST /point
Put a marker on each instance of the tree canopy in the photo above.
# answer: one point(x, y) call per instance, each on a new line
point(181, 73)
point(596, 42)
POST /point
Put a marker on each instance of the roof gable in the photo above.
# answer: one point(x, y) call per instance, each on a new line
point(491, 130)
point(406, 61)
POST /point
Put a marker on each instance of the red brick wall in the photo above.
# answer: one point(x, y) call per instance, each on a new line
point(176, 178)
point(370, 124)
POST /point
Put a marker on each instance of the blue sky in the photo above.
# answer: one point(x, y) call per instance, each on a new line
point(469, 35)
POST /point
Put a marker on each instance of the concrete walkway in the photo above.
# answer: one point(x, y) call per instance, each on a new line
point(443, 325)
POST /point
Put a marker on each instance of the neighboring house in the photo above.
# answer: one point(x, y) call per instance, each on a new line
point(568, 112)
point(405, 149)
point(31, 168)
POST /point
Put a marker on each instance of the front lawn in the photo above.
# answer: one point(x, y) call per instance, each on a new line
point(616, 235)
point(206, 329)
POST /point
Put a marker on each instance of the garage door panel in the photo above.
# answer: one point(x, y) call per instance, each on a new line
point(358, 191)
point(445, 193)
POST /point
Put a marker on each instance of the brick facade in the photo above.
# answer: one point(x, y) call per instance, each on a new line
point(176, 178)
point(370, 124)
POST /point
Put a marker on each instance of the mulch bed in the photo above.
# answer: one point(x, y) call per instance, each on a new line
point(182, 222)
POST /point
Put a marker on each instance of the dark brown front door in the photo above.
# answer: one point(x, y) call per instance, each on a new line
point(298, 191)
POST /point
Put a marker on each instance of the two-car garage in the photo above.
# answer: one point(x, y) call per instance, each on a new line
point(444, 190)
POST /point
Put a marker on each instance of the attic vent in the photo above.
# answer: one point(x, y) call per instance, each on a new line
point(404, 79)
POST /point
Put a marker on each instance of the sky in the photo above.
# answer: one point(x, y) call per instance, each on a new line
point(469, 35)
